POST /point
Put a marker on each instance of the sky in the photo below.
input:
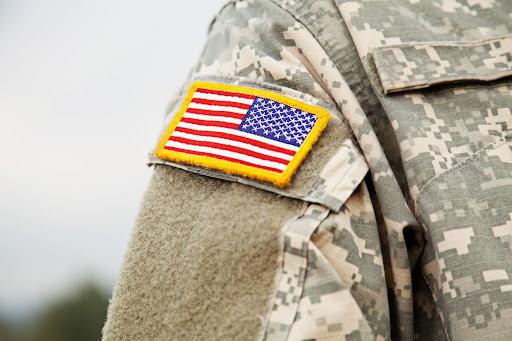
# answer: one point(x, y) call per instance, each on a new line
point(83, 89)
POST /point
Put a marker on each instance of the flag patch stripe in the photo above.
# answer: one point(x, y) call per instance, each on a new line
point(217, 108)
point(216, 113)
point(246, 131)
point(225, 93)
point(225, 158)
point(221, 103)
point(227, 141)
point(281, 147)
point(227, 153)
point(228, 98)
point(210, 123)
point(226, 147)
point(212, 118)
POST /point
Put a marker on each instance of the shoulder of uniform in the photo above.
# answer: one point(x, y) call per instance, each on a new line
point(312, 13)
point(305, 11)
point(321, 18)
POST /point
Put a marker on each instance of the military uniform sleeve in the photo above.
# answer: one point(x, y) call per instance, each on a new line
point(381, 209)
point(217, 255)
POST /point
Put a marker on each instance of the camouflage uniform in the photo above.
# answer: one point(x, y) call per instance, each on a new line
point(398, 224)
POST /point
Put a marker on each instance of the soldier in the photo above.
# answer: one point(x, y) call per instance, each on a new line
point(331, 170)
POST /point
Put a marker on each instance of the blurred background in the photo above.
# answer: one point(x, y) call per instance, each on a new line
point(83, 89)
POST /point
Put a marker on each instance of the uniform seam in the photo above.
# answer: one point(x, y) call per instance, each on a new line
point(279, 273)
point(355, 86)
point(348, 171)
point(226, 4)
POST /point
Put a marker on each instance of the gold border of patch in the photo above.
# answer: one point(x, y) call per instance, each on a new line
point(279, 179)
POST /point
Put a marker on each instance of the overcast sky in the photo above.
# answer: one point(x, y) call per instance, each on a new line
point(83, 89)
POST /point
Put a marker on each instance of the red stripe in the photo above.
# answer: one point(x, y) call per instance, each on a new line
point(216, 113)
point(225, 93)
point(230, 148)
point(223, 158)
point(236, 138)
point(210, 123)
point(223, 103)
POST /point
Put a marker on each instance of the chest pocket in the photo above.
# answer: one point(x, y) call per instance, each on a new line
point(397, 68)
point(451, 107)
point(448, 100)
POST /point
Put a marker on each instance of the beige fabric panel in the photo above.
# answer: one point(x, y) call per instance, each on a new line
point(192, 264)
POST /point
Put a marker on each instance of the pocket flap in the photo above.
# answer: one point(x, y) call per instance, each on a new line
point(410, 66)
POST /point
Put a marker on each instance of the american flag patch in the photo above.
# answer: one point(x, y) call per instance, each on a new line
point(245, 131)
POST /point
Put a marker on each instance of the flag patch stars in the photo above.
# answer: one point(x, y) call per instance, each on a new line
point(278, 121)
point(244, 131)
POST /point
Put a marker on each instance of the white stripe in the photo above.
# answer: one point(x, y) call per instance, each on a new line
point(217, 108)
point(227, 153)
point(232, 143)
point(227, 98)
point(239, 133)
point(213, 118)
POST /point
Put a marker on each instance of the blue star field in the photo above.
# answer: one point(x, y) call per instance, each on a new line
point(278, 122)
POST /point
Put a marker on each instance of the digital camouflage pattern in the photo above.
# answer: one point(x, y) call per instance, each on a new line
point(408, 233)
point(420, 65)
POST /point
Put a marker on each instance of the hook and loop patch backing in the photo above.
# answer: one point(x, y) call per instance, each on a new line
point(245, 131)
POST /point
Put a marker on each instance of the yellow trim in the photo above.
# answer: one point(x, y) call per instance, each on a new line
point(279, 179)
